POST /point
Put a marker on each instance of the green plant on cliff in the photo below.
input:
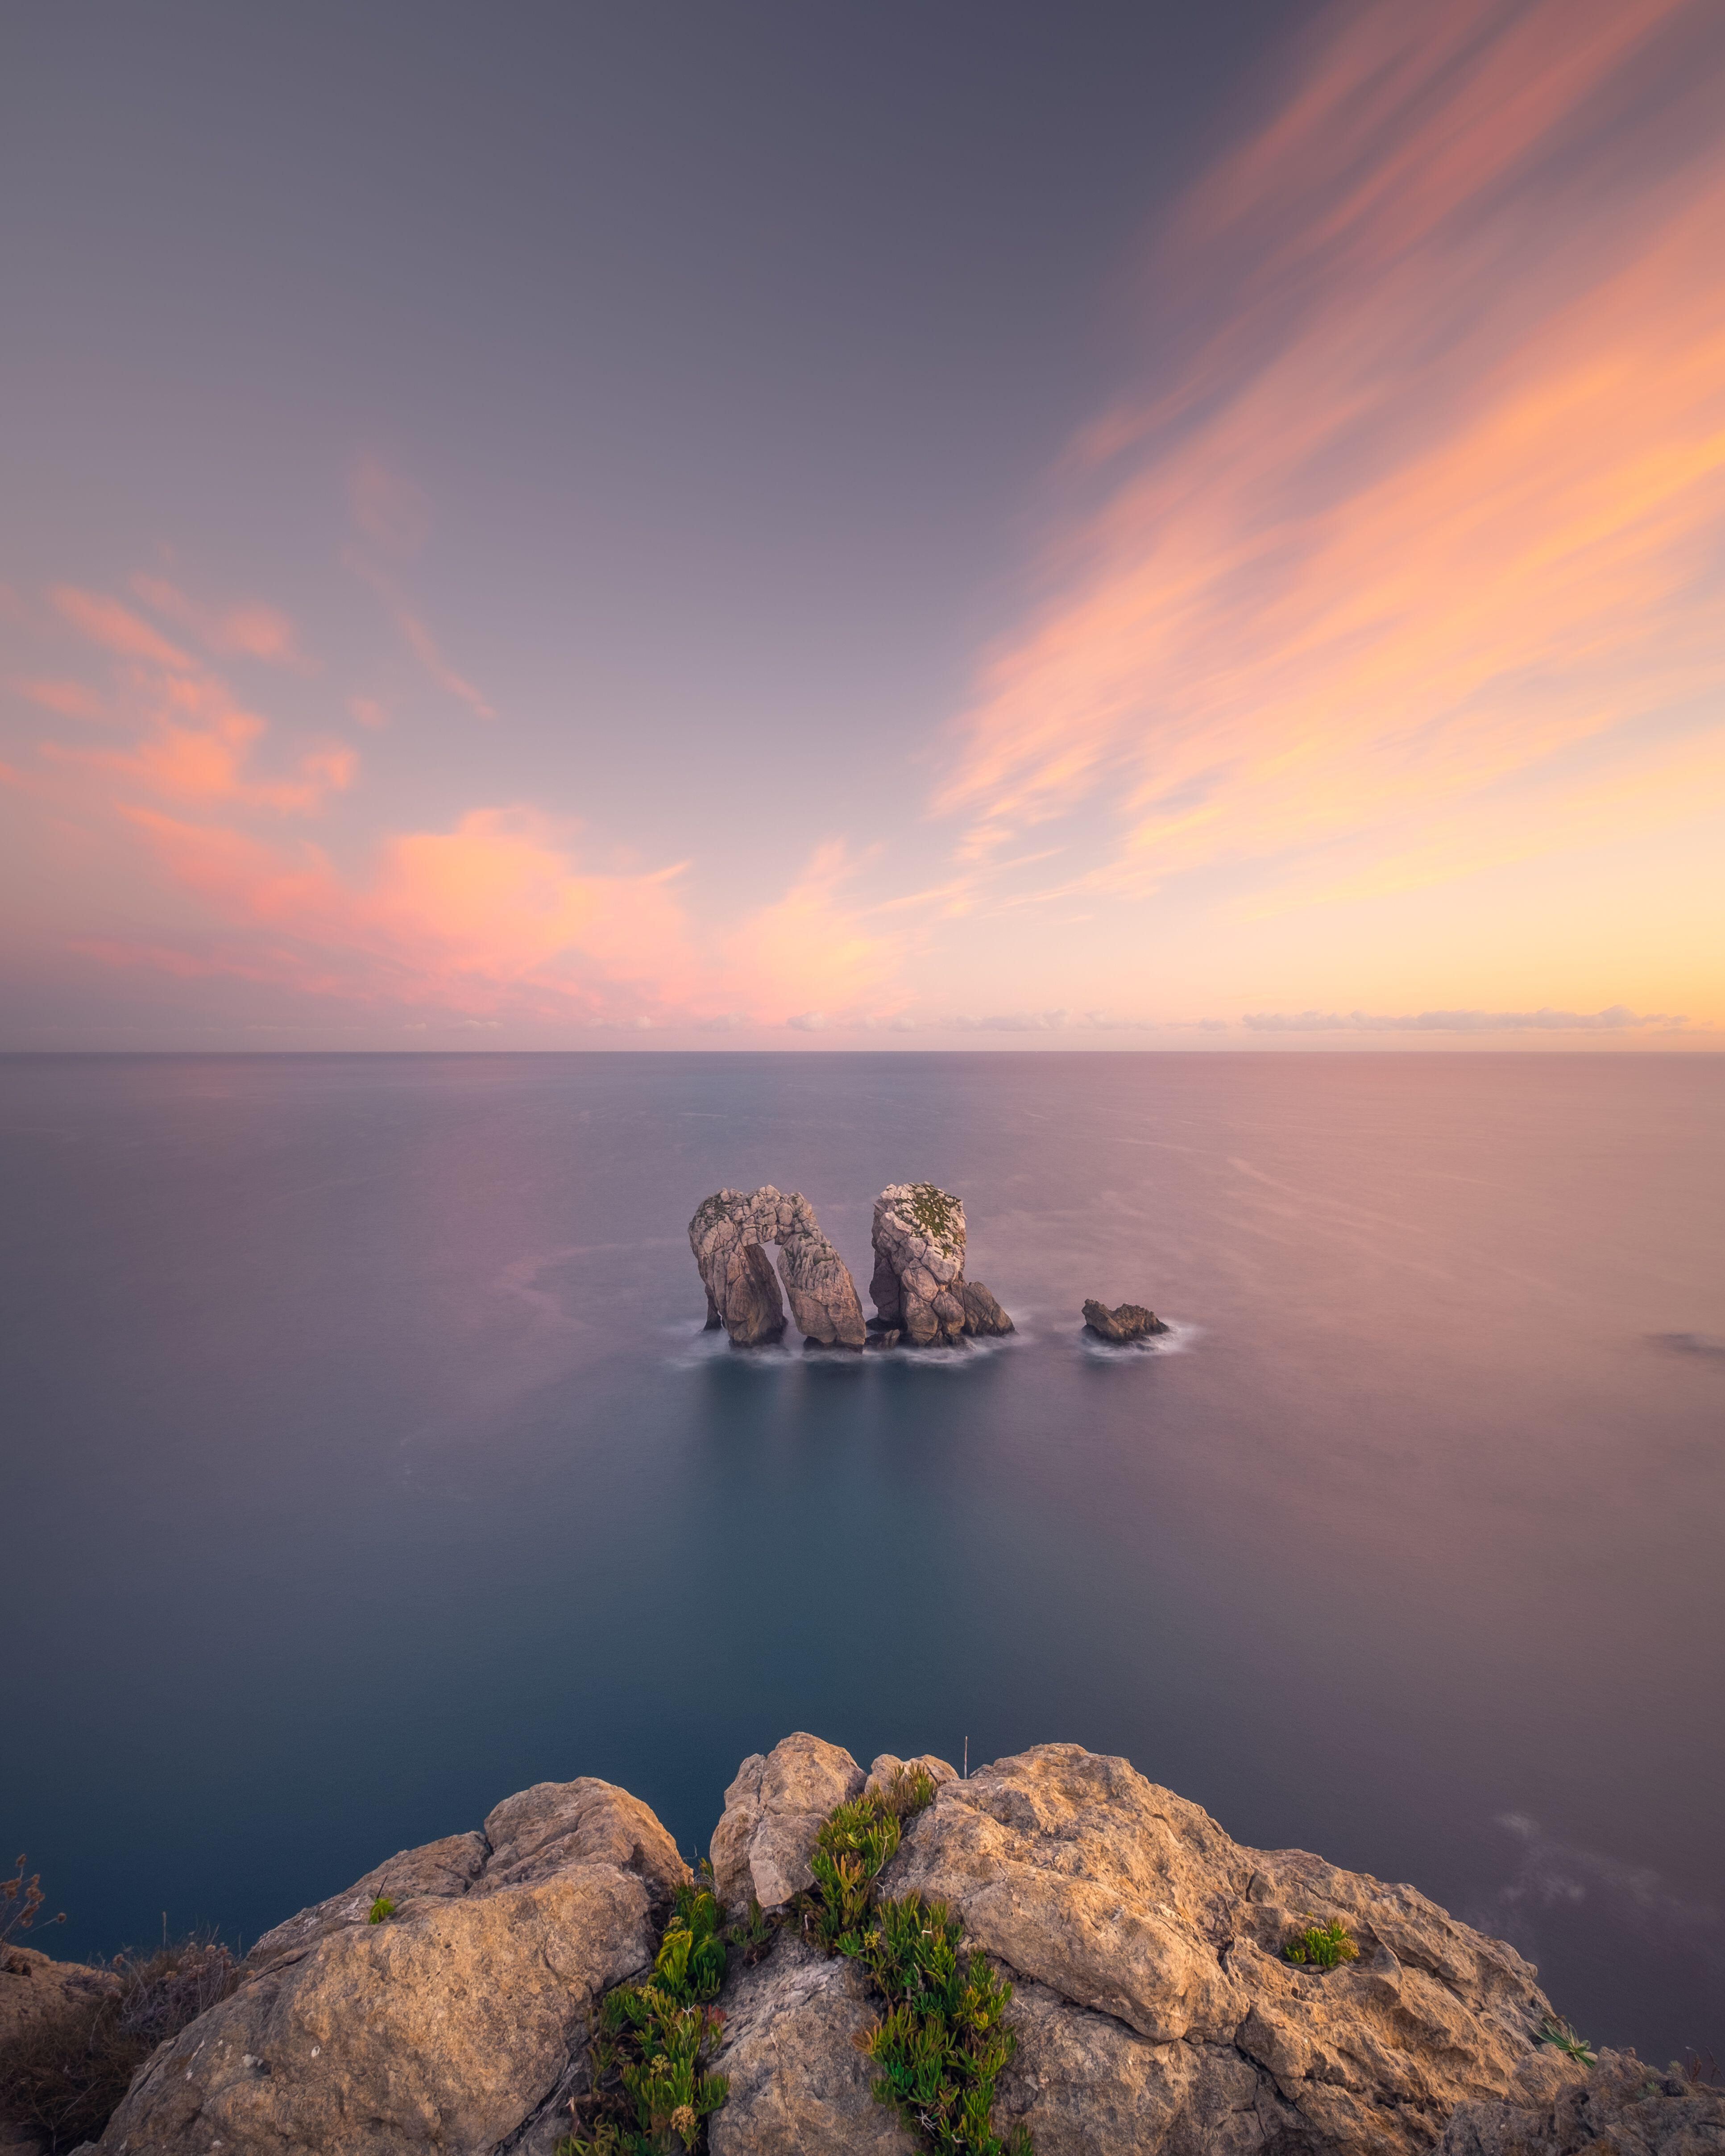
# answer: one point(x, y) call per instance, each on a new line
point(383, 1909)
point(651, 2092)
point(909, 1791)
point(1558, 2033)
point(853, 1844)
point(1322, 1946)
point(943, 2042)
point(752, 1934)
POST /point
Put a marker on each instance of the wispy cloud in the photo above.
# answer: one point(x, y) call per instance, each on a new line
point(191, 740)
point(816, 937)
point(250, 630)
point(1616, 1019)
point(490, 916)
point(1417, 527)
point(394, 518)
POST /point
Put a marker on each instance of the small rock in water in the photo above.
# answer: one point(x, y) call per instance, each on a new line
point(1126, 1322)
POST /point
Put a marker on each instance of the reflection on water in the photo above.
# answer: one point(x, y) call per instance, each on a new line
point(367, 1461)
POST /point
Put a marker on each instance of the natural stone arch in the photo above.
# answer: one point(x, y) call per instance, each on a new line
point(726, 1236)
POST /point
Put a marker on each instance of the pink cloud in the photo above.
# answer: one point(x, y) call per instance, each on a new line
point(70, 700)
point(251, 631)
point(192, 741)
point(395, 515)
point(491, 914)
point(418, 638)
point(811, 941)
point(1423, 518)
point(117, 629)
point(388, 509)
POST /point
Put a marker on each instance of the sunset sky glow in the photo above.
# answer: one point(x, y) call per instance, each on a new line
point(535, 530)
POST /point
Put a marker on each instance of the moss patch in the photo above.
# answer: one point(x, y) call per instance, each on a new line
point(936, 1212)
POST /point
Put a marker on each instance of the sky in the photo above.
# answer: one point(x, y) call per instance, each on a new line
point(817, 525)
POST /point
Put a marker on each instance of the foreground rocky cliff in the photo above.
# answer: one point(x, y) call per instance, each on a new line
point(446, 2000)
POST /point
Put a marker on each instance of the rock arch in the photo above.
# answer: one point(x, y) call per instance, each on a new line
point(727, 1235)
point(919, 1291)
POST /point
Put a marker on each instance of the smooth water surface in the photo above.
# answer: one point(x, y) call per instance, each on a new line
point(365, 1462)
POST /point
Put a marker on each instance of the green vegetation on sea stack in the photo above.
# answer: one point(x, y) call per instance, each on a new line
point(935, 1212)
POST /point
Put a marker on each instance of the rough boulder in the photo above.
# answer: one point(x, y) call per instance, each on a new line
point(1127, 1322)
point(457, 2022)
point(1619, 2108)
point(919, 1288)
point(1154, 2007)
point(726, 1236)
point(774, 1810)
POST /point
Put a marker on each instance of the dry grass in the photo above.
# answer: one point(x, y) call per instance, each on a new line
point(65, 2076)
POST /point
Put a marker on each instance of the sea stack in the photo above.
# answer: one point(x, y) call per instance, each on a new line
point(919, 1286)
point(1123, 1324)
point(726, 1236)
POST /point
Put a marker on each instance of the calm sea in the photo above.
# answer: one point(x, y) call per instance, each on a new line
point(365, 1462)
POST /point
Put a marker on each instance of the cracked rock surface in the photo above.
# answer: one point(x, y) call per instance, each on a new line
point(453, 2024)
point(726, 1235)
point(1619, 2108)
point(1127, 1322)
point(918, 1285)
point(1153, 2009)
point(1155, 2012)
point(774, 1810)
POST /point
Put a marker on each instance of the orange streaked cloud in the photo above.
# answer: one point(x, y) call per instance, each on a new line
point(486, 918)
point(1409, 550)
point(813, 940)
point(251, 630)
point(1376, 666)
point(491, 919)
point(394, 516)
point(491, 914)
point(192, 741)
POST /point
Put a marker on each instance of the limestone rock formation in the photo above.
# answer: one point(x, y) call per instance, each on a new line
point(1153, 2008)
point(918, 1286)
point(458, 2022)
point(798, 2083)
point(726, 1235)
point(1619, 2108)
point(1156, 2013)
point(773, 1812)
point(38, 1993)
point(887, 1766)
point(1127, 1322)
